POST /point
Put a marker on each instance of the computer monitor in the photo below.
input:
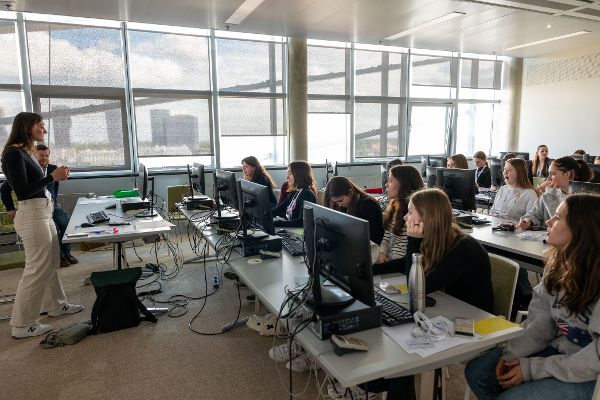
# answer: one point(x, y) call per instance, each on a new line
point(591, 158)
point(338, 249)
point(198, 178)
point(523, 155)
point(596, 170)
point(226, 192)
point(459, 185)
point(583, 157)
point(150, 212)
point(255, 209)
point(144, 177)
point(438, 161)
point(435, 177)
point(584, 187)
point(496, 171)
point(424, 165)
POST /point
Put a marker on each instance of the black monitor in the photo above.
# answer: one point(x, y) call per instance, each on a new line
point(424, 165)
point(150, 212)
point(523, 155)
point(225, 189)
point(144, 178)
point(435, 177)
point(496, 171)
point(583, 157)
point(459, 185)
point(591, 158)
point(255, 210)
point(596, 170)
point(438, 161)
point(338, 249)
point(197, 176)
point(584, 187)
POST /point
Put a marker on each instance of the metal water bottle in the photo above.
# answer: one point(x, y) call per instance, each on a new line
point(416, 284)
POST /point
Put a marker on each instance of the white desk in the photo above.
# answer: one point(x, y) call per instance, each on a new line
point(138, 228)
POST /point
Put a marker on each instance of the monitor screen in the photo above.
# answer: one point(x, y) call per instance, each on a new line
point(496, 171)
point(144, 178)
point(424, 165)
point(584, 187)
point(435, 177)
point(438, 161)
point(338, 249)
point(197, 178)
point(523, 155)
point(225, 191)
point(459, 185)
point(255, 206)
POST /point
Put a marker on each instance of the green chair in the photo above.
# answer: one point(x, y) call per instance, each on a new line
point(174, 195)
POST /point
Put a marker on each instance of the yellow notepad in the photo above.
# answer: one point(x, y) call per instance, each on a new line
point(491, 325)
point(403, 287)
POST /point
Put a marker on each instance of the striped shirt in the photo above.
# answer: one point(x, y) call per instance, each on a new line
point(393, 246)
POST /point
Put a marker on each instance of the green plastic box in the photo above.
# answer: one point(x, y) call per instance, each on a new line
point(126, 193)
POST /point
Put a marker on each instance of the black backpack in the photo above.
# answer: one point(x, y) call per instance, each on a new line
point(117, 305)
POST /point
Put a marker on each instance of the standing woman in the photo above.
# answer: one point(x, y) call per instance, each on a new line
point(517, 196)
point(483, 175)
point(541, 162)
point(40, 289)
point(255, 172)
point(562, 171)
point(558, 354)
point(345, 196)
point(300, 181)
point(403, 180)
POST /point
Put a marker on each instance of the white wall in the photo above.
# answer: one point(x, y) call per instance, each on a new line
point(560, 103)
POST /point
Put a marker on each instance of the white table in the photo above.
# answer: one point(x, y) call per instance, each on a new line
point(138, 228)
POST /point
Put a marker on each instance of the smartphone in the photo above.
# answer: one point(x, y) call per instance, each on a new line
point(464, 326)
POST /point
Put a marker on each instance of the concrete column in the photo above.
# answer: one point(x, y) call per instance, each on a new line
point(297, 98)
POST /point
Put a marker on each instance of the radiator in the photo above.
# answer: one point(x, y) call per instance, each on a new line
point(370, 181)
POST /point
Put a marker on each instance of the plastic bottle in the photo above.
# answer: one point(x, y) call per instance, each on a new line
point(416, 284)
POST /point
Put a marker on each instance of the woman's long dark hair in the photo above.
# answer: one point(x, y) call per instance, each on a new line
point(259, 170)
point(574, 268)
point(410, 181)
point(303, 177)
point(21, 134)
point(341, 186)
point(536, 162)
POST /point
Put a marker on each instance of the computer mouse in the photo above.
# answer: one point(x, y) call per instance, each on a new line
point(430, 301)
point(110, 206)
point(86, 225)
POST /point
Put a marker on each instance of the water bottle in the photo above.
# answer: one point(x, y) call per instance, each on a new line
point(416, 284)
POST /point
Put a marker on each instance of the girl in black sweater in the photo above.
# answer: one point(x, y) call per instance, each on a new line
point(343, 195)
point(255, 172)
point(300, 180)
point(483, 176)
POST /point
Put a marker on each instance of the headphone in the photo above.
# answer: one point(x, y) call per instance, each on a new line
point(438, 330)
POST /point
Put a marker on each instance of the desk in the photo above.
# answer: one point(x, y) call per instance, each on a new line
point(385, 358)
point(140, 227)
point(507, 244)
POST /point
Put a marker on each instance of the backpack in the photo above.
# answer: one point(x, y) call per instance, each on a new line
point(117, 305)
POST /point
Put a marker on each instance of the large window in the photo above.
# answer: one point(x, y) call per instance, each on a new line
point(433, 76)
point(77, 76)
point(10, 83)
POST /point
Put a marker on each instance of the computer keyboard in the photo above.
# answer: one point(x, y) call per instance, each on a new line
point(97, 217)
point(292, 244)
point(392, 313)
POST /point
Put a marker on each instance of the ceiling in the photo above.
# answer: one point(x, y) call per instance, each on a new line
point(487, 26)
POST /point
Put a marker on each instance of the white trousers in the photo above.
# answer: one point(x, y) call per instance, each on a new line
point(40, 288)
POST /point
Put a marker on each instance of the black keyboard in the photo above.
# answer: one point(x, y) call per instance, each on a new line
point(392, 313)
point(292, 244)
point(97, 217)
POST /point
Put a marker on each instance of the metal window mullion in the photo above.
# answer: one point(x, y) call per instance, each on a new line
point(130, 138)
point(216, 132)
point(350, 76)
point(23, 58)
point(407, 82)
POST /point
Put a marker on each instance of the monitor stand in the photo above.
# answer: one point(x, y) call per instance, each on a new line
point(151, 212)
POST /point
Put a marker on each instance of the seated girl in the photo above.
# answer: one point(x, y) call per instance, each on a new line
point(458, 161)
point(345, 196)
point(255, 172)
point(518, 195)
point(300, 180)
point(558, 355)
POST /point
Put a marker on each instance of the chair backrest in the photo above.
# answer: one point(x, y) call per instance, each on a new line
point(174, 195)
point(320, 197)
point(504, 283)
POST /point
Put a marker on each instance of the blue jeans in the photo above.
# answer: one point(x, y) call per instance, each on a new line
point(481, 377)
point(61, 220)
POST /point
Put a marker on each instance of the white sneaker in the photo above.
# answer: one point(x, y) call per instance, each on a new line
point(256, 322)
point(30, 331)
point(281, 353)
point(65, 309)
point(338, 392)
point(268, 326)
point(301, 363)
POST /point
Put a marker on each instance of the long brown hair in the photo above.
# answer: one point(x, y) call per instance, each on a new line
point(259, 170)
point(581, 171)
point(460, 161)
point(303, 177)
point(440, 234)
point(520, 167)
point(481, 155)
point(410, 181)
point(21, 133)
point(341, 186)
point(574, 268)
point(536, 160)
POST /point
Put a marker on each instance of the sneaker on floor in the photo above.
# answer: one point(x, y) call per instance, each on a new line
point(30, 331)
point(86, 281)
point(65, 309)
point(281, 353)
point(336, 391)
point(251, 298)
point(64, 262)
point(72, 260)
point(255, 322)
point(302, 363)
point(269, 324)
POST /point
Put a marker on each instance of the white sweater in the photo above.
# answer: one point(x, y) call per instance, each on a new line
point(513, 203)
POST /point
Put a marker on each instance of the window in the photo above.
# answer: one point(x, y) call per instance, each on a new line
point(480, 79)
point(377, 73)
point(10, 105)
point(326, 70)
point(429, 128)
point(474, 128)
point(77, 76)
point(376, 130)
point(328, 128)
point(433, 77)
point(10, 82)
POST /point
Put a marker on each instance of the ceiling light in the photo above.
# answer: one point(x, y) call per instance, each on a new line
point(548, 40)
point(245, 9)
point(426, 25)
point(549, 26)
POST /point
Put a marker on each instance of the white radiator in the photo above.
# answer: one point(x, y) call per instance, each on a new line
point(370, 181)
